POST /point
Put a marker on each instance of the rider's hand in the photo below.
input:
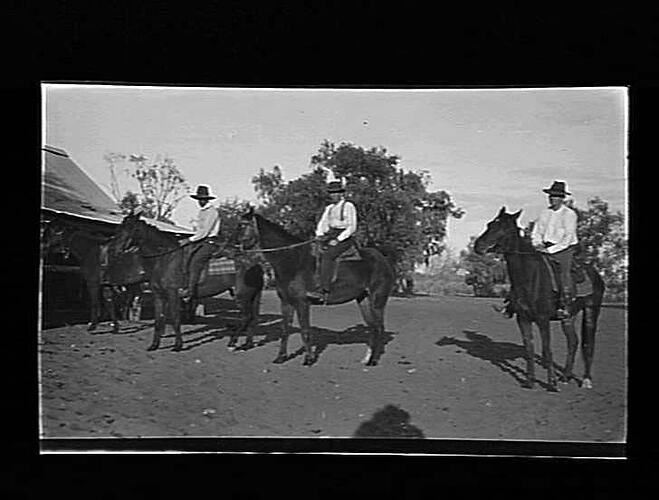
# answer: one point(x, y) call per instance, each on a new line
point(540, 247)
point(184, 241)
point(333, 242)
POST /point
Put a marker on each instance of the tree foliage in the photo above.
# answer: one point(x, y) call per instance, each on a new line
point(394, 208)
point(484, 272)
point(160, 183)
point(603, 240)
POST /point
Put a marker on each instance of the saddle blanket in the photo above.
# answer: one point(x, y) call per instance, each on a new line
point(350, 254)
point(221, 265)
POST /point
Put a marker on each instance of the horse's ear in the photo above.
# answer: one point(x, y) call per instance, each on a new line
point(517, 214)
point(502, 211)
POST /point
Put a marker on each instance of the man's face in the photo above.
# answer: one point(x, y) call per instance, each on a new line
point(202, 202)
point(555, 202)
point(335, 197)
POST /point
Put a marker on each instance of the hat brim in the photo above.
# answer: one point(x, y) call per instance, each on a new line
point(197, 197)
point(556, 193)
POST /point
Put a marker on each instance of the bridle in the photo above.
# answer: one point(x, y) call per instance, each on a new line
point(255, 228)
point(499, 247)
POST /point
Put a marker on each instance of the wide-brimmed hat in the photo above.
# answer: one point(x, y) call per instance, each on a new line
point(203, 193)
point(557, 189)
point(335, 187)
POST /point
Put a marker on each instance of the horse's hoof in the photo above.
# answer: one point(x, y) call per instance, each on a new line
point(152, 347)
point(92, 327)
point(528, 385)
point(587, 383)
point(553, 388)
point(279, 359)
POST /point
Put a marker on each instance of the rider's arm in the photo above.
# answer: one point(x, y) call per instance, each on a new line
point(323, 223)
point(569, 236)
point(351, 218)
point(539, 229)
point(208, 220)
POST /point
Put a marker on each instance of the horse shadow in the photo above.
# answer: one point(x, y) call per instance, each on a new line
point(499, 354)
point(269, 329)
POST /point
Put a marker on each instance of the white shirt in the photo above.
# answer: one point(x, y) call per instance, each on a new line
point(207, 223)
point(556, 226)
point(332, 219)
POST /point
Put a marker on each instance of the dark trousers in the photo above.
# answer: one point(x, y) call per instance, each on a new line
point(327, 261)
point(198, 261)
point(564, 259)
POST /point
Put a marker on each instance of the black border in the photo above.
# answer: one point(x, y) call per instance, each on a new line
point(365, 44)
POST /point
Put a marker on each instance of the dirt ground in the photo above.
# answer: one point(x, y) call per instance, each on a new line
point(452, 368)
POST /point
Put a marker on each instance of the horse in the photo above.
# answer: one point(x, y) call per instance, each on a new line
point(535, 299)
point(368, 281)
point(92, 253)
point(164, 260)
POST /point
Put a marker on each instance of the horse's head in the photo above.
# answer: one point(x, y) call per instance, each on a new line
point(248, 234)
point(129, 233)
point(498, 230)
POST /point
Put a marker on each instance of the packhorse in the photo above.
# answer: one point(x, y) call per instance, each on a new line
point(534, 295)
point(368, 281)
point(165, 263)
point(93, 253)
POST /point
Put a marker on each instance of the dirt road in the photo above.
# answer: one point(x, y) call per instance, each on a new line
point(451, 364)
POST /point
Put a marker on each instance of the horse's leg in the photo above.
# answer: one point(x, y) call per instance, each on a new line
point(93, 290)
point(545, 337)
point(242, 299)
point(526, 329)
point(287, 311)
point(302, 308)
point(174, 308)
point(373, 310)
point(109, 305)
point(588, 329)
point(159, 323)
point(572, 341)
point(251, 315)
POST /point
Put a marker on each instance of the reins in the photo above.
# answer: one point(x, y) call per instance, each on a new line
point(278, 249)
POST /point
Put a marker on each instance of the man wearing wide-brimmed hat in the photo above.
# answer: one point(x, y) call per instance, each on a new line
point(336, 228)
point(207, 226)
point(555, 234)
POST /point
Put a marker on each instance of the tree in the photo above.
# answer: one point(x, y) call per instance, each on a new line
point(604, 243)
point(160, 182)
point(396, 212)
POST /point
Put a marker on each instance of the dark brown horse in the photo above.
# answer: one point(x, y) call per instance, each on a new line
point(534, 299)
point(165, 261)
point(92, 252)
point(368, 281)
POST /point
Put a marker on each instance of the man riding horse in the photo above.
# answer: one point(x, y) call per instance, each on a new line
point(555, 235)
point(335, 232)
point(207, 228)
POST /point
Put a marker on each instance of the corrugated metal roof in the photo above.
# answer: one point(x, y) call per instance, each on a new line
point(68, 189)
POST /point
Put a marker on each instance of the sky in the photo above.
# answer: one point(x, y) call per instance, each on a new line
point(487, 147)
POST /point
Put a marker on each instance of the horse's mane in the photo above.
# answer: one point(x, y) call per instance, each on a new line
point(277, 229)
point(159, 236)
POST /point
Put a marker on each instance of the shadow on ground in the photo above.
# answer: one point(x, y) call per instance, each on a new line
point(499, 354)
point(389, 422)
